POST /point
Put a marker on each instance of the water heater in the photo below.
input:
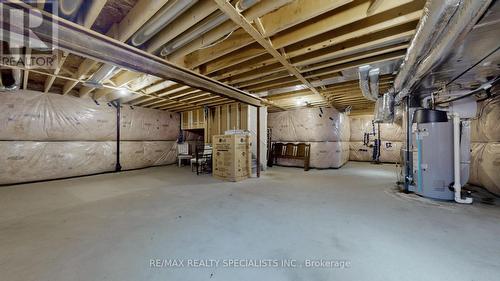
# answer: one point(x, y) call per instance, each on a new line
point(432, 154)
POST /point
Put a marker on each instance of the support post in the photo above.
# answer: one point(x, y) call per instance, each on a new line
point(117, 104)
point(258, 141)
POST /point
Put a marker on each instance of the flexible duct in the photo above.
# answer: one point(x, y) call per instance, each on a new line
point(101, 75)
point(373, 75)
point(69, 8)
point(368, 82)
point(378, 115)
point(388, 108)
point(364, 83)
point(242, 5)
point(161, 19)
point(442, 24)
point(201, 28)
point(208, 24)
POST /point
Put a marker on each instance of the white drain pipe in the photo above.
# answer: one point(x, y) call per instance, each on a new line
point(456, 161)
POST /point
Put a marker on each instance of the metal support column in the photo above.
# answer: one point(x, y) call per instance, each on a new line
point(117, 105)
point(258, 141)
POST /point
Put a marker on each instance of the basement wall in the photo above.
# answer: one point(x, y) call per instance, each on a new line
point(485, 147)
point(326, 129)
point(391, 135)
point(49, 136)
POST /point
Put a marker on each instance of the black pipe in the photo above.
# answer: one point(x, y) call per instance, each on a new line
point(117, 104)
point(407, 153)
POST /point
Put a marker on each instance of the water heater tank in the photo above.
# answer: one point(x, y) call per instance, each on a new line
point(432, 154)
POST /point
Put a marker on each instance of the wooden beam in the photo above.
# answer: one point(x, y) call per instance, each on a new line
point(215, 34)
point(252, 64)
point(50, 80)
point(237, 40)
point(195, 14)
point(235, 58)
point(385, 38)
point(295, 13)
point(356, 56)
point(93, 12)
point(344, 15)
point(358, 63)
point(122, 79)
point(135, 18)
point(389, 19)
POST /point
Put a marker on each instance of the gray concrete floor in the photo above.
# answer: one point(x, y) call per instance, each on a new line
point(109, 227)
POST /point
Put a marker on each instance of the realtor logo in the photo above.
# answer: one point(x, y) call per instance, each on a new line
point(21, 47)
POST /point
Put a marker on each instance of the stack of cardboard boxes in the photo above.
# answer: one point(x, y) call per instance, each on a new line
point(231, 157)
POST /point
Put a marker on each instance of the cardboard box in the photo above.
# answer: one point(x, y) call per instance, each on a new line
point(231, 157)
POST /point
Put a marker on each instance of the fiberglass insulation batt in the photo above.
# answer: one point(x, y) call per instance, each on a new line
point(326, 129)
point(47, 136)
point(485, 146)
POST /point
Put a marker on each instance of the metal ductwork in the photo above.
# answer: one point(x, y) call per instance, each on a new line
point(368, 82)
point(101, 75)
point(242, 5)
point(373, 75)
point(443, 23)
point(165, 16)
point(69, 8)
point(198, 30)
point(209, 23)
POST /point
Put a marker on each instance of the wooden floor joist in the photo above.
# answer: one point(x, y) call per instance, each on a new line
point(238, 18)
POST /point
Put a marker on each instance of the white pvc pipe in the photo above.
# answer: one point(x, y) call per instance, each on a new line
point(456, 161)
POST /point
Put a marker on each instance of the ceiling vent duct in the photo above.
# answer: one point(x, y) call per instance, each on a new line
point(198, 30)
point(368, 82)
point(373, 74)
point(242, 5)
point(209, 23)
point(100, 76)
point(160, 20)
point(442, 24)
point(68, 9)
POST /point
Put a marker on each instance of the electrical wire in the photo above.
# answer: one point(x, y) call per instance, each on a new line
point(217, 42)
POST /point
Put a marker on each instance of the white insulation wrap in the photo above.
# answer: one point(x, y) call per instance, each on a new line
point(485, 146)
point(148, 124)
point(485, 166)
point(323, 155)
point(140, 154)
point(310, 124)
point(29, 115)
point(24, 161)
point(389, 152)
point(486, 128)
point(363, 124)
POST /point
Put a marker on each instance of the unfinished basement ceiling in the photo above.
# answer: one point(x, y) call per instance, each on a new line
point(288, 52)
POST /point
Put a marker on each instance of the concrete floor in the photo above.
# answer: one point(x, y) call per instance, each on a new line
point(109, 227)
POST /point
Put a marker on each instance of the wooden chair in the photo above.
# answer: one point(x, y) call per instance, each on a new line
point(203, 159)
point(183, 152)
